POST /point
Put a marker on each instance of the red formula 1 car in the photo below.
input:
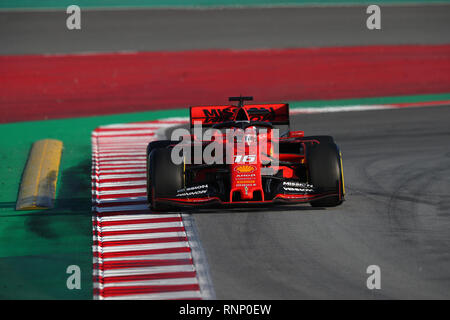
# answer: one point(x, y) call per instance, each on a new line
point(235, 154)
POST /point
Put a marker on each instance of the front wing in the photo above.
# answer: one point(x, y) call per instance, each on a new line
point(287, 192)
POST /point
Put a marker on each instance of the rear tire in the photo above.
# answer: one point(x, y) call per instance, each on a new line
point(325, 173)
point(164, 178)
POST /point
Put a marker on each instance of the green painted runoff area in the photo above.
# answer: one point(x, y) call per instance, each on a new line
point(36, 247)
point(58, 4)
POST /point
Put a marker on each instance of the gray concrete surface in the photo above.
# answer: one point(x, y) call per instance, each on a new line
point(155, 30)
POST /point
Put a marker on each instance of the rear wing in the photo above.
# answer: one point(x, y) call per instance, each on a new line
point(277, 114)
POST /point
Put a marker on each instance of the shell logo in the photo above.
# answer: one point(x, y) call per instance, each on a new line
point(245, 169)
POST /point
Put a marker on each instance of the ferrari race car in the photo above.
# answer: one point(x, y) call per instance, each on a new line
point(237, 155)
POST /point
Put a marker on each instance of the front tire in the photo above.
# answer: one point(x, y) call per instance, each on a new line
point(325, 173)
point(164, 178)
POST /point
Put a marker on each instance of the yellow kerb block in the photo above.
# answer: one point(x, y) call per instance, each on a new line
point(38, 186)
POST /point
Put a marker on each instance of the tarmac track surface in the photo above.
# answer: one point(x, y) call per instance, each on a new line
point(174, 30)
point(396, 216)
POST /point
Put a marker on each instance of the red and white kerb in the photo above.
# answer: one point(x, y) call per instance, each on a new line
point(138, 254)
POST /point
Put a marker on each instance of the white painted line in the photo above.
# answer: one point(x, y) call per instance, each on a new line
point(122, 162)
point(118, 176)
point(138, 217)
point(155, 282)
point(120, 153)
point(139, 147)
point(159, 296)
point(141, 226)
point(145, 270)
point(149, 130)
point(147, 246)
point(102, 168)
point(129, 158)
point(119, 192)
point(327, 109)
point(123, 208)
point(123, 183)
point(139, 236)
point(164, 256)
point(141, 170)
point(169, 123)
point(112, 147)
point(102, 200)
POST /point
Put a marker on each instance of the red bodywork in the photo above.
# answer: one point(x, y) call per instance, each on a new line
point(245, 173)
point(276, 114)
